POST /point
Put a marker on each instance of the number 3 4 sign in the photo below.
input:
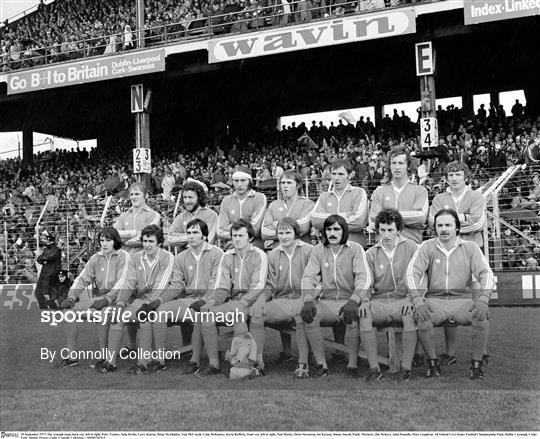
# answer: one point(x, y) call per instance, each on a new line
point(429, 132)
point(142, 163)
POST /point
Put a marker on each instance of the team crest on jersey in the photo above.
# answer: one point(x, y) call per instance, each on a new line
point(127, 223)
point(236, 270)
point(102, 268)
point(185, 222)
point(437, 261)
point(190, 267)
point(232, 211)
point(326, 264)
point(280, 268)
point(382, 266)
point(387, 198)
point(446, 206)
point(329, 204)
point(140, 268)
point(281, 209)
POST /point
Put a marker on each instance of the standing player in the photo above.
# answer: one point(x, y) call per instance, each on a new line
point(105, 272)
point(471, 209)
point(286, 264)
point(149, 273)
point(194, 197)
point(411, 200)
point(341, 268)
point(291, 205)
point(439, 278)
point(241, 278)
point(243, 203)
point(129, 225)
point(194, 274)
point(345, 200)
point(388, 260)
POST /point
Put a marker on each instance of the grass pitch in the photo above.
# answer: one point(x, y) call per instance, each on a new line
point(36, 395)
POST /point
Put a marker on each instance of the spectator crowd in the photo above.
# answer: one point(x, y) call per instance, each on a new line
point(68, 29)
point(75, 184)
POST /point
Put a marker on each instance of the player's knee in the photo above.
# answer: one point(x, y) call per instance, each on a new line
point(424, 325)
point(366, 324)
point(408, 322)
point(481, 324)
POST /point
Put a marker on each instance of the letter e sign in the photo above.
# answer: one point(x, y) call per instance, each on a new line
point(425, 64)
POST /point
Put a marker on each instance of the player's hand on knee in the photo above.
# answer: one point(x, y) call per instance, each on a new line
point(67, 303)
point(142, 312)
point(207, 306)
point(154, 305)
point(423, 312)
point(196, 306)
point(365, 307)
point(100, 303)
point(257, 309)
point(479, 310)
point(349, 311)
point(309, 311)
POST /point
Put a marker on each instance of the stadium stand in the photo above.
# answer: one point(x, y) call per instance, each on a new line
point(64, 30)
point(73, 193)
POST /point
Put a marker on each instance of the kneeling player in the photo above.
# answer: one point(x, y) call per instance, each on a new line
point(448, 264)
point(105, 272)
point(388, 260)
point(149, 273)
point(286, 264)
point(341, 267)
point(194, 273)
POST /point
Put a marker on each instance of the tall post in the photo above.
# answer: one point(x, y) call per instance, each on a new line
point(425, 69)
point(140, 106)
point(28, 147)
point(141, 42)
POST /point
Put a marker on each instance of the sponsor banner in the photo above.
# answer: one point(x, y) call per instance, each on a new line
point(92, 70)
point(319, 34)
point(483, 11)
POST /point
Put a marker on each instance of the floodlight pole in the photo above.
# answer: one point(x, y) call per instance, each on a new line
point(141, 42)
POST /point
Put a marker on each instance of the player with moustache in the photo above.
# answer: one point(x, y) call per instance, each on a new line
point(193, 278)
point(439, 280)
point(194, 198)
point(281, 302)
point(340, 268)
point(471, 209)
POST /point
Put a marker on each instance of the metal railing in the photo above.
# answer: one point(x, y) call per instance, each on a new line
point(248, 20)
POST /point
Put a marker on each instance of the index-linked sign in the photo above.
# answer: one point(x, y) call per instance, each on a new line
point(92, 70)
point(482, 11)
point(327, 33)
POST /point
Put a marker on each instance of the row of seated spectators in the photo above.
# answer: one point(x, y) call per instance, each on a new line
point(75, 183)
point(67, 29)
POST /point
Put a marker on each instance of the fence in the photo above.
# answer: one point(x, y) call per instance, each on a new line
point(254, 19)
point(512, 228)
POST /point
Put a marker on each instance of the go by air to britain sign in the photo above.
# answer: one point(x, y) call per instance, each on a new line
point(323, 33)
point(483, 11)
point(92, 70)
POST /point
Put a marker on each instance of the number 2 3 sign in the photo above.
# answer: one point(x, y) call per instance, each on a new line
point(142, 162)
